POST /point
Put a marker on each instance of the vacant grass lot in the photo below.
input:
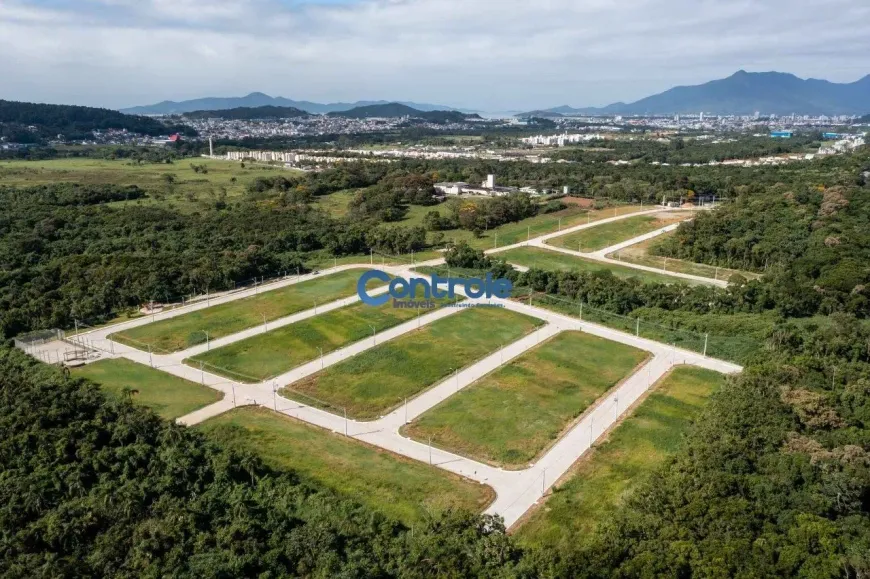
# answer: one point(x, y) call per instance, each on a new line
point(510, 416)
point(640, 255)
point(601, 236)
point(188, 330)
point(169, 396)
point(602, 480)
point(553, 260)
point(399, 487)
point(188, 190)
point(267, 355)
point(373, 382)
point(511, 233)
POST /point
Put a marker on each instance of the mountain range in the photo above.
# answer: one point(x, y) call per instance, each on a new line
point(744, 93)
point(395, 110)
point(258, 99)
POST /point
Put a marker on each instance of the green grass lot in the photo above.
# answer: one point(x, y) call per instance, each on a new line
point(267, 355)
point(169, 396)
point(728, 339)
point(398, 487)
point(336, 203)
point(189, 188)
point(373, 382)
point(510, 416)
point(602, 480)
point(511, 233)
point(601, 236)
point(639, 254)
point(188, 330)
point(551, 260)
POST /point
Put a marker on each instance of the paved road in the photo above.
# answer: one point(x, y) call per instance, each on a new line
point(602, 255)
point(517, 491)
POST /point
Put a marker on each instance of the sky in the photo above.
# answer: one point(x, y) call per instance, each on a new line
point(491, 55)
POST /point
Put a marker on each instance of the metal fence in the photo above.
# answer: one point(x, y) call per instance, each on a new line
point(732, 348)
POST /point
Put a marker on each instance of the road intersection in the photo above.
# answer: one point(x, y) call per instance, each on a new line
point(516, 491)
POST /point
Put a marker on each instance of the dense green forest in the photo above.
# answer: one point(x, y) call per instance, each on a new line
point(98, 487)
point(37, 123)
point(812, 239)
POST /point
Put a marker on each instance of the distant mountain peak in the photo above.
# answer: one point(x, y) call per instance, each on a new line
point(259, 99)
point(744, 93)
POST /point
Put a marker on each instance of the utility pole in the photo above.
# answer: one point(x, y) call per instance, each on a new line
point(265, 327)
point(706, 337)
point(150, 358)
point(201, 373)
point(374, 341)
point(321, 357)
point(207, 343)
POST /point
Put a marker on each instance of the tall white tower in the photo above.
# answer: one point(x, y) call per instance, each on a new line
point(210, 148)
point(490, 181)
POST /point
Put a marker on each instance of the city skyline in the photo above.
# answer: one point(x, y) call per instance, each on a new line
point(460, 54)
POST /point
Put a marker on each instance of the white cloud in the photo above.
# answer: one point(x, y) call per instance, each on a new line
point(493, 54)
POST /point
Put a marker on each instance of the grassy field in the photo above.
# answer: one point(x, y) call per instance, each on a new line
point(399, 487)
point(552, 260)
point(640, 255)
point(336, 203)
point(373, 382)
point(267, 355)
point(510, 416)
point(511, 233)
point(189, 188)
point(167, 395)
point(602, 480)
point(189, 329)
point(601, 236)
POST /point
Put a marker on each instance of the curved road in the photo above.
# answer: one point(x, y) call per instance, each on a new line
point(517, 491)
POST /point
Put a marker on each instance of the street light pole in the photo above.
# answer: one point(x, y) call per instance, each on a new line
point(374, 340)
point(207, 343)
point(321, 357)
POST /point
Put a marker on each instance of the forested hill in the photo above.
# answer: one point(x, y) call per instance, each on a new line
point(31, 122)
point(395, 110)
point(99, 487)
point(249, 113)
